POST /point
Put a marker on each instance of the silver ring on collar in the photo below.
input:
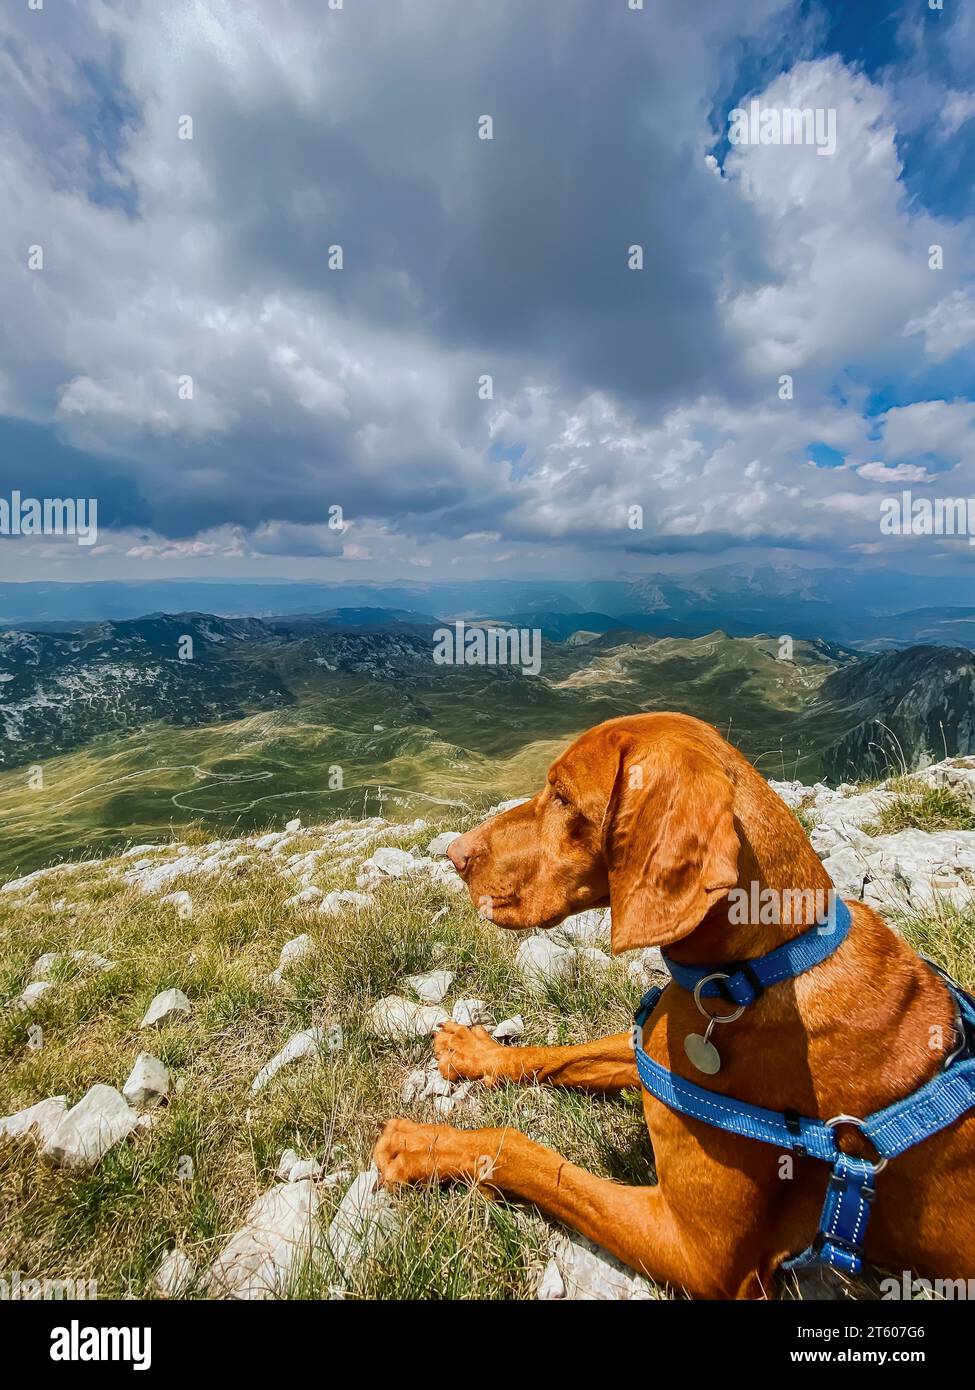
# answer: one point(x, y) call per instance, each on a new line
point(715, 1018)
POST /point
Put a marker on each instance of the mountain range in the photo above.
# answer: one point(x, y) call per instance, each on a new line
point(119, 729)
point(878, 609)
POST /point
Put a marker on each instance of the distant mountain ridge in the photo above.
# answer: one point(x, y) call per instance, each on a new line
point(872, 609)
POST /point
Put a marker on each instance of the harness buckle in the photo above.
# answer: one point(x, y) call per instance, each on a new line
point(857, 1124)
point(840, 1242)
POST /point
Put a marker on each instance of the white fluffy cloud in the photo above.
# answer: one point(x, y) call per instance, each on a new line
point(227, 388)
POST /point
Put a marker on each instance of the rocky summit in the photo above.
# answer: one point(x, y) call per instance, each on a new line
point(207, 1037)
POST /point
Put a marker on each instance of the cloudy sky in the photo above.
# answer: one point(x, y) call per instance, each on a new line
point(168, 258)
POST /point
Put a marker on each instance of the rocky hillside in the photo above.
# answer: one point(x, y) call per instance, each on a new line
point(904, 710)
point(904, 870)
point(58, 690)
point(200, 1043)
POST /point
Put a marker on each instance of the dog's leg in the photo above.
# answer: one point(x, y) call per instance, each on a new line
point(472, 1054)
point(633, 1223)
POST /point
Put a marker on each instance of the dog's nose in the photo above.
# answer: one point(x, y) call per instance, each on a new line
point(459, 852)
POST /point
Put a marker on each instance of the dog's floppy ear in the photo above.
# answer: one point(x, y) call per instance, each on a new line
point(670, 842)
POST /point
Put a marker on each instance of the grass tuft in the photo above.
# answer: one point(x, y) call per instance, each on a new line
point(918, 807)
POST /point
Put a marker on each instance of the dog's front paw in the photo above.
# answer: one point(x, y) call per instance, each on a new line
point(468, 1054)
point(410, 1153)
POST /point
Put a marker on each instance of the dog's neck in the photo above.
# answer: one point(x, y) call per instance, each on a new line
point(782, 891)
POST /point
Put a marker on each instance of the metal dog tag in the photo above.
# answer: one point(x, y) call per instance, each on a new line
point(701, 1053)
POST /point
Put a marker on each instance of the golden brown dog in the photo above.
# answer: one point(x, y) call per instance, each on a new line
point(659, 816)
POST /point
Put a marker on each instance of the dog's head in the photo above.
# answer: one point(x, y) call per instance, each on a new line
point(638, 813)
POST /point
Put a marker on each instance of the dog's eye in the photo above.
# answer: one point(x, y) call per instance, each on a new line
point(558, 799)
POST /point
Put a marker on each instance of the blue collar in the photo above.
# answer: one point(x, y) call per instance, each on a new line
point(745, 980)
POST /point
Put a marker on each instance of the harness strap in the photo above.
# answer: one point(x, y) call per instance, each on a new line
point(733, 1116)
point(899, 1126)
point(846, 1210)
point(748, 979)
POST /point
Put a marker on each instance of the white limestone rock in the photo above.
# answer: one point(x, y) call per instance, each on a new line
point(432, 987)
point(286, 1162)
point(175, 1274)
point(594, 958)
point(392, 862)
point(270, 841)
point(291, 1168)
point(590, 928)
point(303, 900)
point(294, 825)
point(580, 1270)
point(298, 949)
point(503, 806)
point(551, 1286)
point(955, 774)
point(794, 794)
point(437, 848)
point(335, 902)
point(413, 1086)
point(40, 1120)
point(543, 961)
point(646, 968)
point(398, 1018)
point(442, 873)
point(470, 1012)
point(847, 871)
point(148, 1082)
point(369, 877)
point(88, 962)
point(32, 995)
point(182, 901)
point(444, 1104)
point(310, 1168)
point(86, 1132)
point(169, 1006)
point(365, 1219)
point(279, 1236)
point(298, 1047)
point(435, 1085)
point(936, 891)
point(509, 1030)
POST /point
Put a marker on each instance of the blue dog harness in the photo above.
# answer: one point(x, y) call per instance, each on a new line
point(851, 1187)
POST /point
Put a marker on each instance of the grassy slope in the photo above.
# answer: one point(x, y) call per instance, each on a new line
point(115, 1223)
